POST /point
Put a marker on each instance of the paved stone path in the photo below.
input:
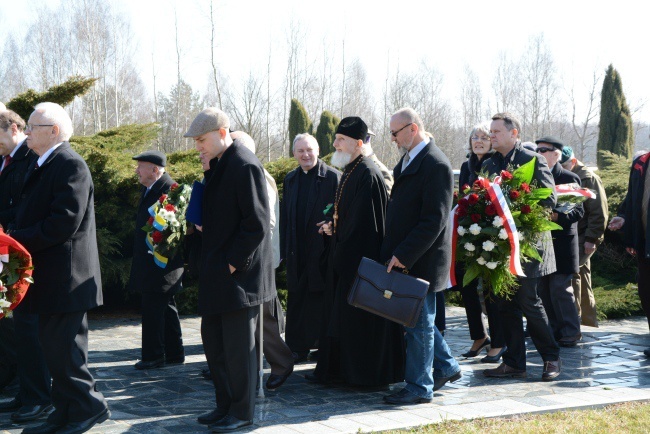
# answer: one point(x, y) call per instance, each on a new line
point(607, 367)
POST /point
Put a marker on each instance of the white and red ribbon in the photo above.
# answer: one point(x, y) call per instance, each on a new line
point(574, 190)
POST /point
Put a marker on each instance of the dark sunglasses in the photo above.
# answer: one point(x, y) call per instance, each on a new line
point(544, 150)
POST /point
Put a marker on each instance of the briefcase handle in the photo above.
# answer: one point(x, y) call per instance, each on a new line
point(404, 270)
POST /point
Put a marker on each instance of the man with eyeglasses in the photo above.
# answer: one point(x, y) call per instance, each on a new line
point(33, 399)
point(55, 221)
point(510, 154)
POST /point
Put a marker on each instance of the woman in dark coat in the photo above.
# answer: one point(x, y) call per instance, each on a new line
point(480, 149)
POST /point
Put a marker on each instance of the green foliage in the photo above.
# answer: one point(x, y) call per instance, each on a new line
point(615, 174)
point(620, 302)
point(279, 168)
point(187, 300)
point(325, 132)
point(616, 133)
point(299, 122)
point(62, 94)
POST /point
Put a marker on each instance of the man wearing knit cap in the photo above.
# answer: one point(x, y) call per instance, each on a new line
point(162, 339)
point(591, 232)
point(236, 267)
point(357, 347)
point(555, 289)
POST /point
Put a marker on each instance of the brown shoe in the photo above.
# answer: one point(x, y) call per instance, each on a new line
point(503, 371)
point(552, 370)
point(570, 341)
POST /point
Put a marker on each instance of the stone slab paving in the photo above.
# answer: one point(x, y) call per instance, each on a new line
point(607, 367)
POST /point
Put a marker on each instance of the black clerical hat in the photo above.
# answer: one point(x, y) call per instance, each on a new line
point(354, 127)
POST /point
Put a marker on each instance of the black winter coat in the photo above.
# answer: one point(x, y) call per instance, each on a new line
point(12, 179)
point(565, 241)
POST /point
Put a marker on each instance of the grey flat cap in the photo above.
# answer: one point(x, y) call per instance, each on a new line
point(155, 157)
point(210, 119)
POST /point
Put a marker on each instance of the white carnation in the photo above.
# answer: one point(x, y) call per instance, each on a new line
point(480, 260)
point(475, 229)
point(492, 265)
point(497, 222)
point(469, 247)
point(488, 246)
point(503, 234)
point(461, 230)
point(4, 303)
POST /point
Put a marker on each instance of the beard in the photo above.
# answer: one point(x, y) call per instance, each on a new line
point(341, 159)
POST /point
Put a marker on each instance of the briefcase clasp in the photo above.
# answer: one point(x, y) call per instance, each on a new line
point(388, 294)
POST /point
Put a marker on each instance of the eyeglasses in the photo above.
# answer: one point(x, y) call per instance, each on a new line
point(395, 133)
point(480, 139)
point(30, 127)
point(544, 150)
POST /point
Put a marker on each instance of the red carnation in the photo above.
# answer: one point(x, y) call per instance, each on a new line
point(170, 207)
point(490, 210)
point(174, 186)
point(514, 194)
point(455, 195)
point(506, 175)
point(150, 221)
point(462, 212)
point(525, 209)
point(473, 199)
point(476, 218)
point(464, 188)
point(525, 187)
point(162, 198)
point(463, 202)
point(157, 237)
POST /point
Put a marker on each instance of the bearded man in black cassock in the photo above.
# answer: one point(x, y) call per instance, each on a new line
point(357, 347)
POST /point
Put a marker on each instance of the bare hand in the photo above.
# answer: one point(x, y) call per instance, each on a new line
point(589, 248)
point(631, 251)
point(554, 217)
point(325, 227)
point(199, 228)
point(394, 263)
point(616, 223)
point(232, 269)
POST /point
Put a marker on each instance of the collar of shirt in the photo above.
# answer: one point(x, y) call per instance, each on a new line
point(47, 153)
point(415, 150)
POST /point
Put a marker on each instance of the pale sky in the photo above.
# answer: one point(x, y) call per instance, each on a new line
point(582, 35)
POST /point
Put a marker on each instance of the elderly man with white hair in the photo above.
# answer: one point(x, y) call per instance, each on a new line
point(55, 221)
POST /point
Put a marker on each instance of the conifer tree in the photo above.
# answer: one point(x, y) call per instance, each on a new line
point(616, 132)
point(298, 122)
point(326, 131)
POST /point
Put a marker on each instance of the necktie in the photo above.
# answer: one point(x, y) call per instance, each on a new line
point(7, 161)
point(405, 161)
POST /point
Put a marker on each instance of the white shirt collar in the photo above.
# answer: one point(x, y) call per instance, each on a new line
point(415, 150)
point(47, 153)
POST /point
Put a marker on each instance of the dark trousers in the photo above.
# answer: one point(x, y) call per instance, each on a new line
point(161, 327)
point(276, 351)
point(229, 345)
point(556, 293)
point(644, 283)
point(33, 375)
point(441, 315)
point(64, 338)
point(526, 302)
point(473, 310)
point(7, 352)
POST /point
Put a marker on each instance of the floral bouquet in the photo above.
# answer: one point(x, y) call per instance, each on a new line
point(166, 227)
point(15, 274)
point(497, 225)
point(569, 195)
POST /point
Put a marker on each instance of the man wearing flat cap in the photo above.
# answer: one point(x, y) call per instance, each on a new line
point(555, 289)
point(162, 339)
point(357, 347)
point(236, 267)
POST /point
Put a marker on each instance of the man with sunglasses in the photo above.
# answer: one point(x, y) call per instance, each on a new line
point(510, 154)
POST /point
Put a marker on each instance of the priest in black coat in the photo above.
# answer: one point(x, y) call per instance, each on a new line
point(307, 191)
point(357, 347)
point(162, 339)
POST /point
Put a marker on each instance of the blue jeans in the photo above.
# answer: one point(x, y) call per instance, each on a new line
point(426, 348)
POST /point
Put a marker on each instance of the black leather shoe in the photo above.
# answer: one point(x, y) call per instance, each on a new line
point(86, 425)
point(504, 371)
point(441, 381)
point(552, 370)
point(570, 341)
point(276, 381)
point(31, 412)
point(495, 358)
point(151, 364)
point(404, 397)
point(205, 373)
point(473, 353)
point(179, 360)
point(229, 424)
point(46, 428)
point(647, 352)
point(211, 417)
point(300, 357)
point(8, 406)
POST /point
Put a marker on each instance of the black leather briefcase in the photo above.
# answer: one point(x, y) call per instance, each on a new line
point(395, 296)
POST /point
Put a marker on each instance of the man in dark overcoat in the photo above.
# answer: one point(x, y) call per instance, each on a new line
point(357, 347)
point(418, 239)
point(55, 222)
point(33, 398)
point(556, 289)
point(162, 339)
point(307, 191)
point(510, 154)
point(236, 266)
